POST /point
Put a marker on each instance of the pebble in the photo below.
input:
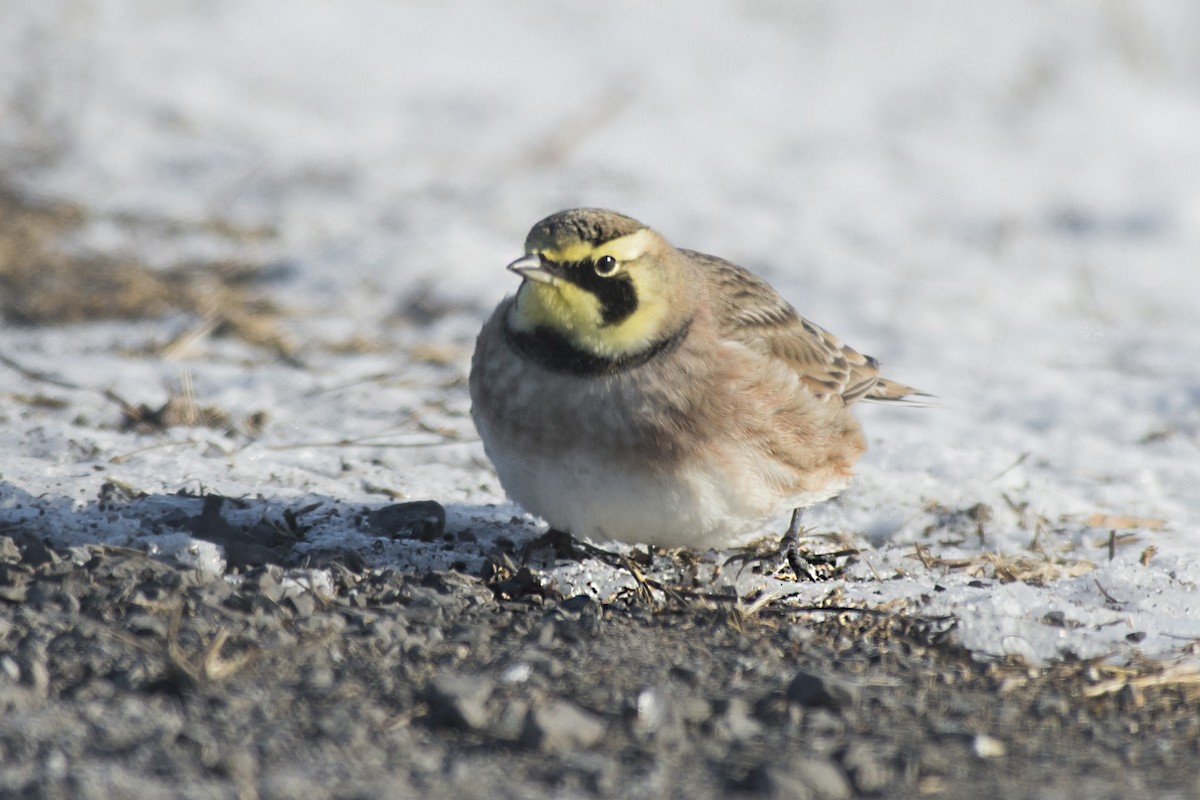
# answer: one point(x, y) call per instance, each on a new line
point(9, 551)
point(460, 701)
point(509, 724)
point(302, 604)
point(649, 712)
point(867, 772)
point(558, 726)
point(812, 690)
point(801, 779)
point(824, 778)
point(423, 520)
point(987, 747)
point(34, 672)
point(733, 720)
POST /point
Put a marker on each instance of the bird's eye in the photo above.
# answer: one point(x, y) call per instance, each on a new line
point(605, 266)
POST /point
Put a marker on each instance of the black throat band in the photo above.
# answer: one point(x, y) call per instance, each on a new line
point(555, 352)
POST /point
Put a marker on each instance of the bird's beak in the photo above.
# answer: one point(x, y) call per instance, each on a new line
point(531, 268)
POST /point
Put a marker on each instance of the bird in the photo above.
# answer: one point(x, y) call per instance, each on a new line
point(636, 392)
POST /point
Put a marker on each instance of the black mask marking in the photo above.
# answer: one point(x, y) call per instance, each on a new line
point(617, 296)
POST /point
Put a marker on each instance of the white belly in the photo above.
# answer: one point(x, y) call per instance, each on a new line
point(695, 505)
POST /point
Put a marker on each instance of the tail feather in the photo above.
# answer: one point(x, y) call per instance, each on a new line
point(888, 391)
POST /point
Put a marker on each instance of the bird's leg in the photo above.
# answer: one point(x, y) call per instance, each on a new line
point(789, 546)
point(787, 552)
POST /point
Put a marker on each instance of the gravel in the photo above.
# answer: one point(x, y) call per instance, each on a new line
point(125, 675)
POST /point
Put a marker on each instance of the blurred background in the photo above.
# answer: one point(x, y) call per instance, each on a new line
point(833, 144)
point(1000, 200)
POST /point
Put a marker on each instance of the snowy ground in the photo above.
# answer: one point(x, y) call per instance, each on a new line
point(998, 200)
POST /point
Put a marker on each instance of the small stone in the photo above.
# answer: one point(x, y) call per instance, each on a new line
point(241, 766)
point(240, 555)
point(517, 673)
point(424, 520)
point(807, 779)
point(460, 701)
point(212, 593)
point(252, 603)
point(578, 605)
point(559, 727)
point(265, 580)
point(319, 678)
point(771, 780)
point(146, 625)
point(774, 709)
point(34, 551)
point(1051, 706)
point(735, 720)
point(824, 723)
point(509, 724)
point(302, 604)
point(55, 765)
point(987, 747)
point(35, 674)
point(9, 552)
point(694, 710)
point(649, 711)
point(824, 779)
point(685, 674)
point(816, 691)
point(868, 773)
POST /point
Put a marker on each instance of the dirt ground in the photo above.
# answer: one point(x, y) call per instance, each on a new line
point(125, 676)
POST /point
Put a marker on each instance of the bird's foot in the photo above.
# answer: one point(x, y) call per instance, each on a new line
point(804, 564)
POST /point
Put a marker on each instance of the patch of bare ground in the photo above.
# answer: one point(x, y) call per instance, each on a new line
point(120, 673)
point(44, 282)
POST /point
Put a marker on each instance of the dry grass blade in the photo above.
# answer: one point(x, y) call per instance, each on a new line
point(211, 666)
point(1007, 568)
point(1179, 676)
point(44, 283)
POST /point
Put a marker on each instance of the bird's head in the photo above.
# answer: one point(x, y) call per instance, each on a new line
point(606, 283)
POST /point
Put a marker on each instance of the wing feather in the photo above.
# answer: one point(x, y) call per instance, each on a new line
point(753, 313)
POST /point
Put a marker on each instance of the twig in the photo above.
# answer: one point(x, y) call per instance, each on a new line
point(1107, 596)
point(1020, 460)
point(121, 458)
point(35, 375)
point(1179, 675)
point(177, 346)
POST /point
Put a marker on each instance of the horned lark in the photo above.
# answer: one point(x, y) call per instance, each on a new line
point(634, 391)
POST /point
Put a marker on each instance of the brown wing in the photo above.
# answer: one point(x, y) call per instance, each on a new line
point(755, 314)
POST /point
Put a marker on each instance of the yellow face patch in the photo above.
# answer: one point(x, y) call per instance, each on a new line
point(559, 305)
point(577, 313)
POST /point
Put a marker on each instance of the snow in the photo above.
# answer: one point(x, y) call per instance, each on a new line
point(998, 200)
